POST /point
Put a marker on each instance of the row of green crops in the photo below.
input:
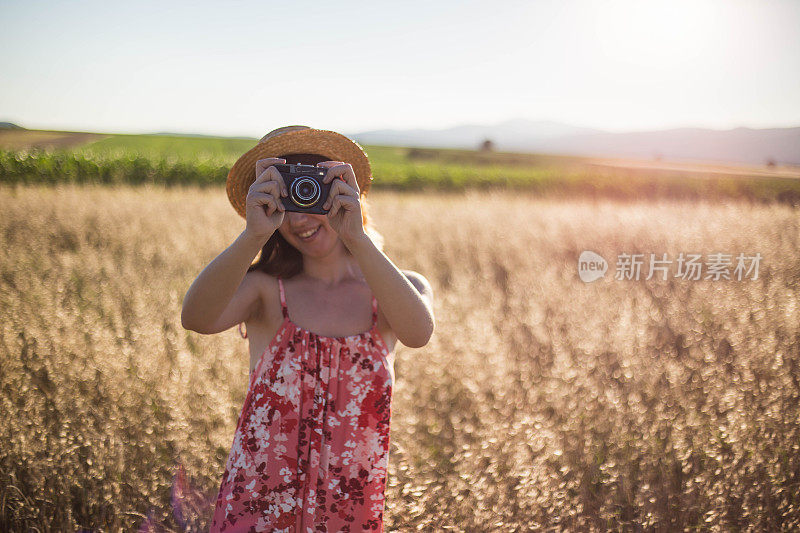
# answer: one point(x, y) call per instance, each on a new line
point(149, 161)
point(65, 167)
point(204, 161)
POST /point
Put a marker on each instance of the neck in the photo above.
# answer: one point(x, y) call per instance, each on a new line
point(332, 268)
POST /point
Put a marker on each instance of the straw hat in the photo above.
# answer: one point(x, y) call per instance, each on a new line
point(291, 140)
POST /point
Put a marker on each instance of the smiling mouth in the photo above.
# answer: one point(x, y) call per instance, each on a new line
point(310, 234)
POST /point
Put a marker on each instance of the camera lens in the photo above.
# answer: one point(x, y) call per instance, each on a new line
point(305, 191)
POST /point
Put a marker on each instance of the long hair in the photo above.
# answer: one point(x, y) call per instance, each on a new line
point(279, 258)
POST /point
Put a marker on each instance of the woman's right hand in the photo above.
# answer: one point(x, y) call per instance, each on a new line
point(263, 206)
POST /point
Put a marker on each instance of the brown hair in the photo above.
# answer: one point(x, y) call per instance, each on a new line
point(279, 258)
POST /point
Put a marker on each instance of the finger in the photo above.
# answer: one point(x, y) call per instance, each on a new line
point(332, 193)
point(339, 188)
point(328, 164)
point(271, 186)
point(263, 164)
point(334, 209)
point(342, 202)
point(345, 177)
point(262, 198)
point(331, 173)
point(344, 171)
point(276, 176)
point(346, 202)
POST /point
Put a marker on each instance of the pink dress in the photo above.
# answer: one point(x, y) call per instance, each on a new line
point(311, 447)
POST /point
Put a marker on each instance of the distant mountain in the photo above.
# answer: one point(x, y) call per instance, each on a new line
point(202, 135)
point(505, 135)
point(741, 145)
point(10, 126)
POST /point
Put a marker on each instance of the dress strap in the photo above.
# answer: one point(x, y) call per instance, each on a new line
point(374, 311)
point(283, 299)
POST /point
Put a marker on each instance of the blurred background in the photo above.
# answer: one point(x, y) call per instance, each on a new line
point(619, 127)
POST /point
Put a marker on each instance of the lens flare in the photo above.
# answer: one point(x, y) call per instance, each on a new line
point(191, 508)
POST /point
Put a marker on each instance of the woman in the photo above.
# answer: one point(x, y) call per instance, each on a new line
point(324, 308)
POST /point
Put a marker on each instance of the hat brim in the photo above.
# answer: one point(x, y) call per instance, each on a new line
point(330, 144)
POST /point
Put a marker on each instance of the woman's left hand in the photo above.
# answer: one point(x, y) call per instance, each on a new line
point(344, 213)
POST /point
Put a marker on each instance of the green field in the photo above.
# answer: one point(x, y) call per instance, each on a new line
point(184, 160)
point(216, 150)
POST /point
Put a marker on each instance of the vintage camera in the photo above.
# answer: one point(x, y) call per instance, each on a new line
point(307, 193)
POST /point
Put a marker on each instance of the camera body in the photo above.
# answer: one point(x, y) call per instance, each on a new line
point(307, 193)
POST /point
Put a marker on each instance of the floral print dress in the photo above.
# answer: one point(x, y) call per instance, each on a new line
point(311, 447)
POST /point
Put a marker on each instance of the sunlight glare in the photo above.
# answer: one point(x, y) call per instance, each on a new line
point(664, 34)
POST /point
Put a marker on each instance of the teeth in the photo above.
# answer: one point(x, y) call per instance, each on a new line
point(308, 233)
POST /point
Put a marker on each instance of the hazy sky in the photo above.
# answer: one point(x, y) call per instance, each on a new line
point(246, 67)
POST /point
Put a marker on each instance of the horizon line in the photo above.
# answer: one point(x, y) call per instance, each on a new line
point(402, 129)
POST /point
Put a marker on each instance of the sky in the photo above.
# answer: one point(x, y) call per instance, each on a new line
point(243, 68)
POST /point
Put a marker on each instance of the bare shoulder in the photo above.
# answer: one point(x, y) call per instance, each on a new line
point(263, 278)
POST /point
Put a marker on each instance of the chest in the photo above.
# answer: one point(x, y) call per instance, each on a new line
point(331, 315)
point(328, 314)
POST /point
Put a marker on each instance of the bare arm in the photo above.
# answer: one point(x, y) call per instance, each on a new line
point(406, 299)
point(222, 296)
point(225, 294)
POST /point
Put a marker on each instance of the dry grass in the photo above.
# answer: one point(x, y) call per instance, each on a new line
point(541, 401)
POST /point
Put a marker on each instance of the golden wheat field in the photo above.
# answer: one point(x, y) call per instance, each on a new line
point(541, 402)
